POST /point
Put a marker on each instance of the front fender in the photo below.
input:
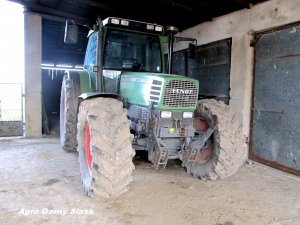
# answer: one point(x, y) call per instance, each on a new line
point(90, 95)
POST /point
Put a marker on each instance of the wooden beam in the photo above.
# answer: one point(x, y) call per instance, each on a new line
point(176, 5)
point(96, 5)
point(50, 11)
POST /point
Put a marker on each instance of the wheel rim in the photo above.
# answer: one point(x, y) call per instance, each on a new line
point(200, 125)
point(88, 155)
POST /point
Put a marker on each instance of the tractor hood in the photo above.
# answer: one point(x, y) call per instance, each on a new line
point(163, 91)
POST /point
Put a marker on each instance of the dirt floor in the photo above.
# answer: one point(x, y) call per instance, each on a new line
point(40, 184)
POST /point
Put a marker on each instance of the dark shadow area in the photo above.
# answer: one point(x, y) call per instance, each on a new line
point(51, 87)
point(141, 157)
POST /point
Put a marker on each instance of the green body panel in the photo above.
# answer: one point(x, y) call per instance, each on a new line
point(135, 88)
point(85, 82)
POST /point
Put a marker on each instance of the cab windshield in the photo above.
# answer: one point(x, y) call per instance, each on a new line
point(132, 52)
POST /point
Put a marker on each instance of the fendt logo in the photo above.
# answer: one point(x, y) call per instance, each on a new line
point(182, 91)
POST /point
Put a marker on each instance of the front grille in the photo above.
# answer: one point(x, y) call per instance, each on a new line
point(180, 93)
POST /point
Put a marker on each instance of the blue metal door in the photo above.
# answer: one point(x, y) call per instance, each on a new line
point(276, 99)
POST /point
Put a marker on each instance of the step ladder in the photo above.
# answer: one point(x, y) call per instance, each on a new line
point(163, 158)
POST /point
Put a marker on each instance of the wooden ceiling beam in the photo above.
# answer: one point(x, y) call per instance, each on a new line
point(176, 5)
point(96, 5)
point(50, 11)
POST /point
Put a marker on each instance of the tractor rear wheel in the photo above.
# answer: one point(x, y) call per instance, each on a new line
point(105, 147)
point(70, 90)
point(224, 153)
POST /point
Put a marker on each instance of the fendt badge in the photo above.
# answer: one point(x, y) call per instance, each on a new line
point(182, 91)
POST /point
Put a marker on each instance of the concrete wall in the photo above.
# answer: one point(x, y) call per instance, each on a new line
point(33, 85)
point(239, 26)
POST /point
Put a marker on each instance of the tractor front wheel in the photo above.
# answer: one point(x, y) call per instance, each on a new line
point(224, 152)
point(105, 147)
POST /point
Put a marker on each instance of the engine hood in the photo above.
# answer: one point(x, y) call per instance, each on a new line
point(163, 91)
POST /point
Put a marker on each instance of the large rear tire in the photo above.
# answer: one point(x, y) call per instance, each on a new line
point(105, 147)
point(70, 90)
point(227, 152)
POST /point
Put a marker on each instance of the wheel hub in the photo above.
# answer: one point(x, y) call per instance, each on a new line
point(200, 125)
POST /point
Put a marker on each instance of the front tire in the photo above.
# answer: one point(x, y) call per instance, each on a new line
point(226, 152)
point(105, 147)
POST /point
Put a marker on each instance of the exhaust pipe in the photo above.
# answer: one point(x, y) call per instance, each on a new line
point(172, 31)
point(99, 58)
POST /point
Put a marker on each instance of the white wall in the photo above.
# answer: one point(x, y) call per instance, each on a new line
point(239, 26)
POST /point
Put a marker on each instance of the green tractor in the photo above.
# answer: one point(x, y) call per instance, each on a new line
point(125, 100)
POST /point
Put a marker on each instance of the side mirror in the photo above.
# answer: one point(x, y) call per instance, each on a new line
point(192, 50)
point(71, 32)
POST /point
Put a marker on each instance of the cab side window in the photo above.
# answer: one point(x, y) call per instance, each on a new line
point(91, 51)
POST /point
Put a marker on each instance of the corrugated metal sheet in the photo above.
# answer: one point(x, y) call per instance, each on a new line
point(276, 100)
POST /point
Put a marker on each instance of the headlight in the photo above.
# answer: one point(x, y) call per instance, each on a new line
point(166, 114)
point(158, 28)
point(187, 115)
point(124, 22)
point(115, 21)
point(150, 27)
